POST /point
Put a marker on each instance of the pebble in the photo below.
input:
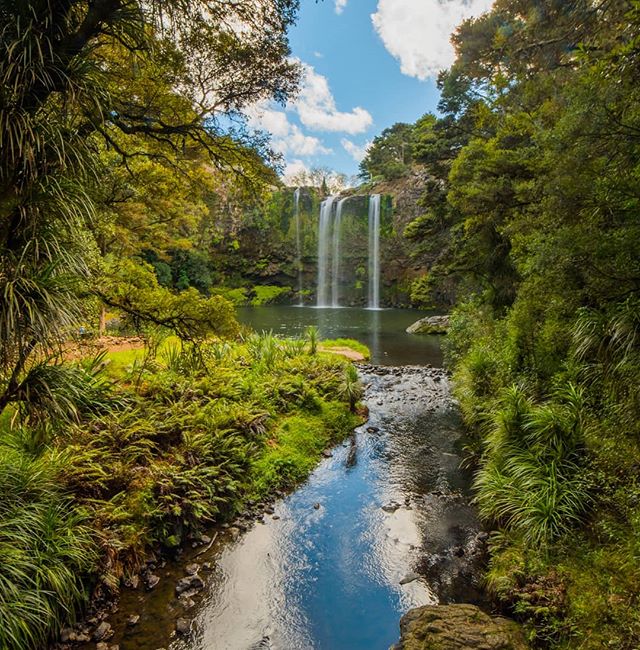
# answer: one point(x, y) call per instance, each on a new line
point(316, 506)
point(103, 631)
point(183, 626)
point(152, 581)
point(192, 569)
point(133, 619)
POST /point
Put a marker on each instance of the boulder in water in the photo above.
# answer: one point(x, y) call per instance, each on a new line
point(457, 627)
point(430, 325)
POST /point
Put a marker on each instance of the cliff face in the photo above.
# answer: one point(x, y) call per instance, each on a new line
point(271, 246)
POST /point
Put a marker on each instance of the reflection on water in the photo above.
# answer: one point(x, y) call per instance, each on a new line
point(383, 330)
point(326, 573)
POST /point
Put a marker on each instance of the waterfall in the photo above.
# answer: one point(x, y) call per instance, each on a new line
point(374, 252)
point(335, 259)
point(324, 234)
point(296, 203)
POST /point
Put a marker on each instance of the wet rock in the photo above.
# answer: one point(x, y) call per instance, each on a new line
point(391, 507)
point(189, 583)
point(183, 626)
point(205, 539)
point(410, 577)
point(275, 517)
point(352, 456)
point(102, 632)
point(234, 531)
point(152, 581)
point(372, 429)
point(207, 566)
point(269, 510)
point(68, 635)
point(192, 569)
point(458, 551)
point(316, 506)
point(457, 627)
point(133, 620)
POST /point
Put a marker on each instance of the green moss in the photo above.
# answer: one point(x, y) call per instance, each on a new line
point(267, 294)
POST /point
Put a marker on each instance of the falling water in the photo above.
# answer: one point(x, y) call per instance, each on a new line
point(296, 202)
point(335, 264)
point(324, 234)
point(374, 252)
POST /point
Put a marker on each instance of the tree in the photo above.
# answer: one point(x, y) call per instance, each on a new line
point(146, 80)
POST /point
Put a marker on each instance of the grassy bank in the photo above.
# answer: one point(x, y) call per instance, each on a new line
point(556, 446)
point(162, 445)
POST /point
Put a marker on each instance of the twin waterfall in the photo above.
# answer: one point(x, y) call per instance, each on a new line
point(329, 254)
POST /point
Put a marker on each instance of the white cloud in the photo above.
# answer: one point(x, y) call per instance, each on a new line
point(417, 32)
point(340, 5)
point(357, 152)
point(293, 169)
point(287, 137)
point(317, 108)
point(296, 142)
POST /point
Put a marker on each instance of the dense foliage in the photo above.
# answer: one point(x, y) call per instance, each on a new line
point(533, 206)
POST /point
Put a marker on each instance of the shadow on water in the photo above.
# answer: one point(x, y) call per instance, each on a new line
point(382, 330)
point(336, 563)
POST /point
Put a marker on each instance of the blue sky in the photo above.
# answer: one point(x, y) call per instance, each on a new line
point(368, 64)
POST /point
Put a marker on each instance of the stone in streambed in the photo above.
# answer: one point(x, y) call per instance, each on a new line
point(410, 577)
point(183, 626)
point(133, 620)
point(102, 632)
point(189, 583)
point(457, 627)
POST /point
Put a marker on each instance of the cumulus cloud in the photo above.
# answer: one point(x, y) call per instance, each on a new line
point(293, 169)
point(417, 32)
point(340, 5)
point(316, 107)
point(357, 152)
point(287, 137)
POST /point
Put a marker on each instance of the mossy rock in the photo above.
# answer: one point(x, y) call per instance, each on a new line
point(430, 325)
point(457, 627)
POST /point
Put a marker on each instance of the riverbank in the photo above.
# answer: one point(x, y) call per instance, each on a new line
point(385, 514)
point(166, 444)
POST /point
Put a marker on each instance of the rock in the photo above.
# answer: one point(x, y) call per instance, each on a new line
point(205, 539)
point(391, 507)
point(183, 626)
point(269, 510)
point(102, 646)
point(189, 583)
point(152, 581)
point(102, 632)
point(430, 325)
point(133, 620)
point(327, 453)
point(457, 627)
point(458, 551)
point(410, 577)
point(372, 429)
point(276, 517)
point(192, 569)
point(67, 635)
point(316, 506)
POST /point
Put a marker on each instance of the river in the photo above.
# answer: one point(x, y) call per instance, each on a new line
point(334, 565)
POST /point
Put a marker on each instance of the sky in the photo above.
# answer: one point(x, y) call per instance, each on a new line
point(367, 64)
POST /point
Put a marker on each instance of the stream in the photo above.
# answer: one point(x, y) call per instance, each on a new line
point(334, 565)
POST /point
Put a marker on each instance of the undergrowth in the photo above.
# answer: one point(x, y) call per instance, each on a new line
point(180, 439)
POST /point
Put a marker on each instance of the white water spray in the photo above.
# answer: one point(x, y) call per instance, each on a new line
point(374, 252)
point(324, 234)
point(296, 203)
point(335, 260)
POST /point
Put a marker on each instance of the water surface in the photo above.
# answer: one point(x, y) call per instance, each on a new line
point(383, 330)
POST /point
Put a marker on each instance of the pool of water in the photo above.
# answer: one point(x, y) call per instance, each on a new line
point(383, 331)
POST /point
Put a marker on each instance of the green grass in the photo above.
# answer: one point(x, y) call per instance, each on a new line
point(352, 344)
point(295, 447)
